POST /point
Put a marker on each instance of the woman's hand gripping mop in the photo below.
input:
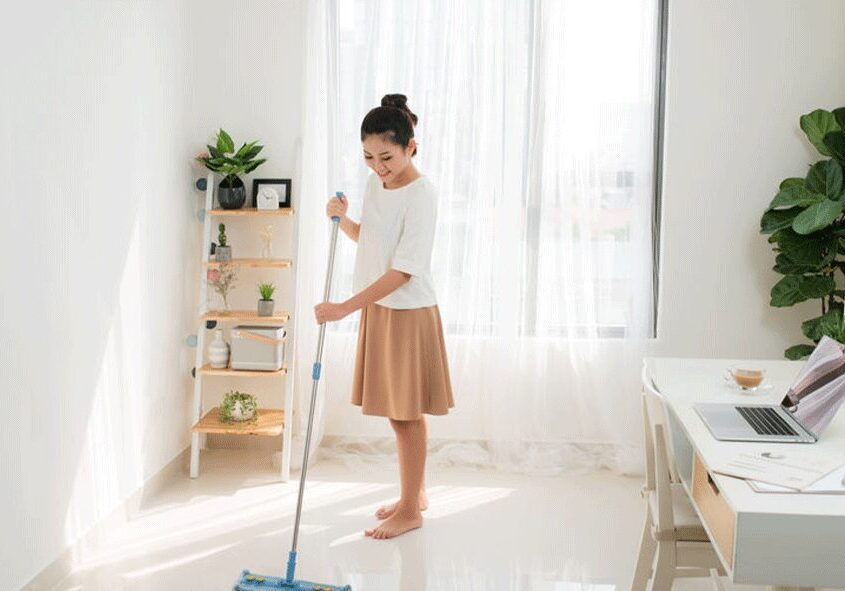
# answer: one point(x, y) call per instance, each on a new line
point(253, 582)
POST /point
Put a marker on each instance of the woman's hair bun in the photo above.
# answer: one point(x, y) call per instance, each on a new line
point(398, 101)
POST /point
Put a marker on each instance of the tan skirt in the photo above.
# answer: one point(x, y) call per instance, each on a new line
point(401, 369)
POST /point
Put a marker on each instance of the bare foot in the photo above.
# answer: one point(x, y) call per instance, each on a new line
point(387, 510)
point(397, 524)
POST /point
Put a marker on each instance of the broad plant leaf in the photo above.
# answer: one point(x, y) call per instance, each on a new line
point(777, 219)
point(248, 151)
point(817, 217)
point(825, 177)
point(797, 288)
point(224, 142)
point(813, 249)
point(252, 153)
point(818, 124)
point(795, 196)
point(239, 153)
point(254, 164)
point(797, 352)
point(831, 324)
point(786, 266)
point(839, 115)
point(790, 182)
point(214, 152)
point(835, 142)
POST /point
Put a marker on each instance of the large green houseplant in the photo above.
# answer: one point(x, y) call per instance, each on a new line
point(223, 159)
point(807, 227)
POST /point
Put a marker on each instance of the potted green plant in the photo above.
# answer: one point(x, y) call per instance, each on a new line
point(265, 304)
point(223, 159)
point(806, 224)
point(238, 407)
point(222, 251)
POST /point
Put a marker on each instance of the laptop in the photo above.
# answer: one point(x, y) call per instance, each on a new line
point(802, 415)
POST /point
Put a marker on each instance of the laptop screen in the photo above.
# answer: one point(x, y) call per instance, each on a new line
point(819, 389)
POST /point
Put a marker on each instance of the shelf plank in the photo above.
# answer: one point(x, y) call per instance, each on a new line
point(251, 211)
point(257, 263)
point(271, 421)
point(227, 371)
point(245, 315)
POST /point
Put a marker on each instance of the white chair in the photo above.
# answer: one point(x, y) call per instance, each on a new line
point(674, 543)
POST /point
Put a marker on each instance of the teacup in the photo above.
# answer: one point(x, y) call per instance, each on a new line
point(747, 379)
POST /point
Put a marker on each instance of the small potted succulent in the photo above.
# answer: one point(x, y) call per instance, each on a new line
point(265, 304)
point(223, 159)
point(238, 407)
point(222, 251)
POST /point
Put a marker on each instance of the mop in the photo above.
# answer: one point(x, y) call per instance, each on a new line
point(253, 582)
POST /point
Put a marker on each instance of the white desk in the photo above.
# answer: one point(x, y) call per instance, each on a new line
point(762, 539)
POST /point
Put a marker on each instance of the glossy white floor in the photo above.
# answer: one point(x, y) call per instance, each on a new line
point(483, 531)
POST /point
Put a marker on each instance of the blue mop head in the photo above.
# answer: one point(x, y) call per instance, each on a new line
point(253, 582)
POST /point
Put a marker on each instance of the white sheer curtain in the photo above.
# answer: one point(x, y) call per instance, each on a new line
point(536, 123)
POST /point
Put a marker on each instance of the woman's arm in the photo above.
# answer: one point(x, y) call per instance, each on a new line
point(350, 228)
point(383, 286)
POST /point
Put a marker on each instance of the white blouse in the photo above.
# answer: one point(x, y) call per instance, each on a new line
point(397, 232)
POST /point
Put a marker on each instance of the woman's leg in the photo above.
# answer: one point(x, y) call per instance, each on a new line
point(387, 510)
point(411, 445)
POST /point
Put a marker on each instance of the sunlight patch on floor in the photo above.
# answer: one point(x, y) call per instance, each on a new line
point(198, 521)
point(443, 500)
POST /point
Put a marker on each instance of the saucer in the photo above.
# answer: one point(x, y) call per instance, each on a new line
point(764, 385)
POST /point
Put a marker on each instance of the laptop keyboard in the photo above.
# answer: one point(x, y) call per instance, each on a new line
point(765, 420)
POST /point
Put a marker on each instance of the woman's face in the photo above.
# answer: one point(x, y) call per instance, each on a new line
point(388, 160)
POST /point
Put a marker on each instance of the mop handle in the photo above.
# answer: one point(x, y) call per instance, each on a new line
point(315, 374)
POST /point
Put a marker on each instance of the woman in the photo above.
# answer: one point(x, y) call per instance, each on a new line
point(401, 369)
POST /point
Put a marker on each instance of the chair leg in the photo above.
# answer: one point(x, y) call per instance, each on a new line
point(642, 573)
point(664, 567)
point(714, 578)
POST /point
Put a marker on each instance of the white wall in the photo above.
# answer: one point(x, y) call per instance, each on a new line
point(96, 231)
point(740, 75)
point(104, 103)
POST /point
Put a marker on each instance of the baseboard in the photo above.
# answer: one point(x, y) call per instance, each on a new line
point(63, 566)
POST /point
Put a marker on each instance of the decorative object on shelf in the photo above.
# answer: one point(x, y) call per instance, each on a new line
point(238, 406)
point(222, 251)
point(271, 188)
point(218, 351)
point(223, 159)
point(265, 304)
point(258, 348)
point(806, 223)
point(223, 279)
point(267, 242)
point(266, 197)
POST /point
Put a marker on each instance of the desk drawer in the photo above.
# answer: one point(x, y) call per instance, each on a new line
point(718, 516)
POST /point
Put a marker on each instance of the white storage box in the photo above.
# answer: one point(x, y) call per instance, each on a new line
point(258, 347)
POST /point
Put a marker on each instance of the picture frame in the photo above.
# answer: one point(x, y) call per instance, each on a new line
point(282, 187)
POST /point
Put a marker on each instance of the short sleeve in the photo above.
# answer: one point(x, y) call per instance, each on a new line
point(416, 239)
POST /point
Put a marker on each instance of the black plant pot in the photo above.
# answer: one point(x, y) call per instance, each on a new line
point(231, 196)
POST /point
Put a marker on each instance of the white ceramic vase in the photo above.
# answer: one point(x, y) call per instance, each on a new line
point(218, 351)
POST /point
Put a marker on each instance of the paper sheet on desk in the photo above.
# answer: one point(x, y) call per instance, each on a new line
point(793, 469)
point(832, 484)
